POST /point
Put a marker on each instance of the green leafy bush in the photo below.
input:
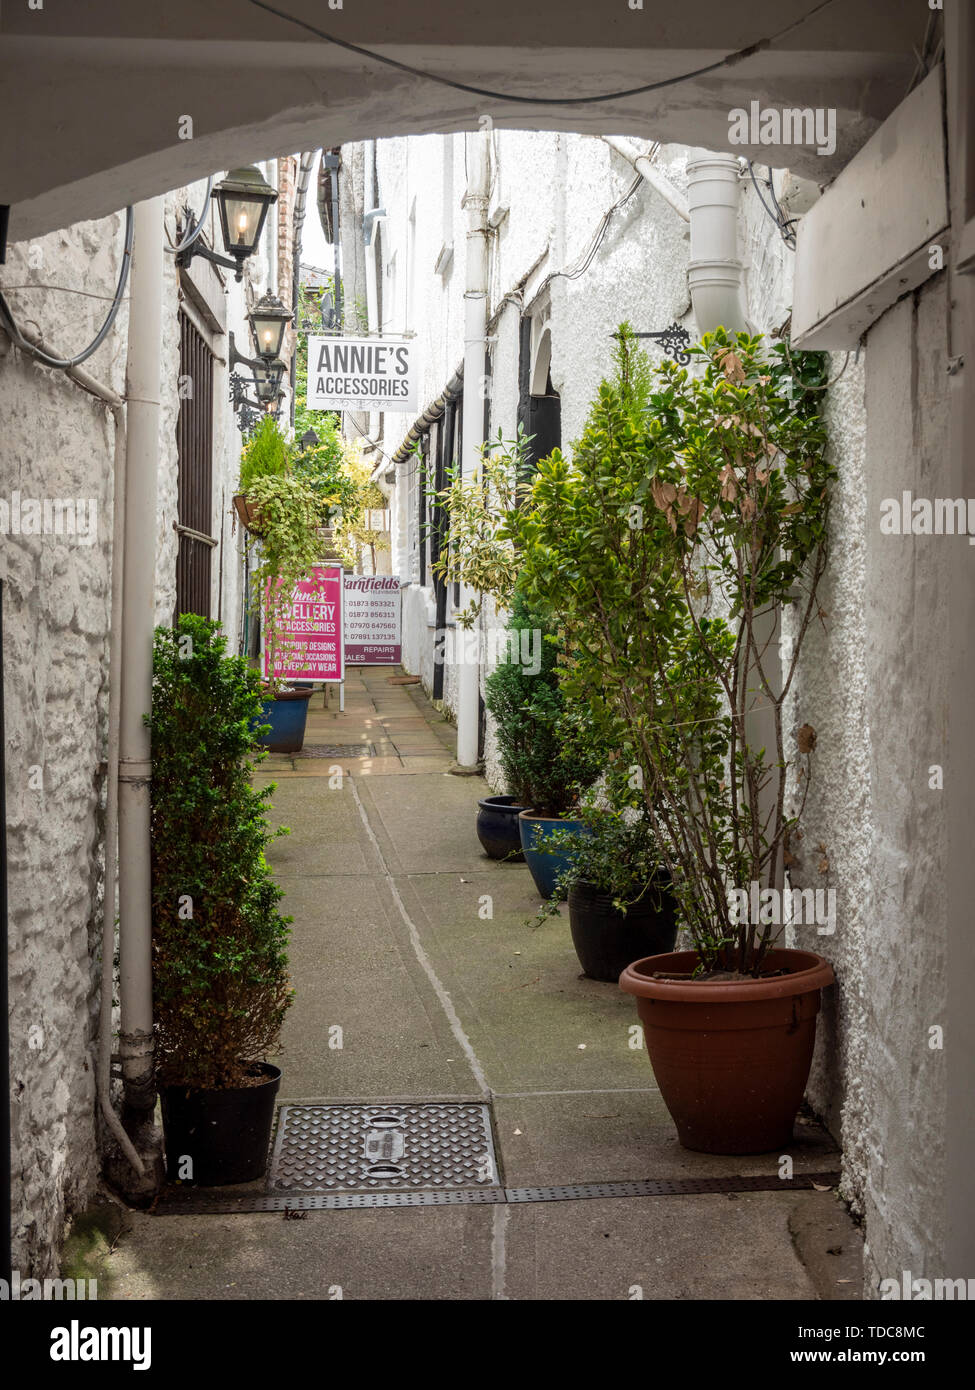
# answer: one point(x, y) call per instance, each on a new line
point(265, 455)
point(220, 981)
point(617, 854)
point(541, 740)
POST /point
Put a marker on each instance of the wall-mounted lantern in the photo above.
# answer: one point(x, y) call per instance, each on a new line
point(243, 199)
point(268, 320)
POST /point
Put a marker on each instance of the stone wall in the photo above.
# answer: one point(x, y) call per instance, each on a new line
point(59, 443)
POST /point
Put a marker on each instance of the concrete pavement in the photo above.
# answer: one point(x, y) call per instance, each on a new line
point(419, 949)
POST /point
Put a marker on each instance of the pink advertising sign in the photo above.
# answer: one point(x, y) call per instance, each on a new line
point(311, 646)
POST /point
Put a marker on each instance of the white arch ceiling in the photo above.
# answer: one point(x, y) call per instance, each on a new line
point(91, 94)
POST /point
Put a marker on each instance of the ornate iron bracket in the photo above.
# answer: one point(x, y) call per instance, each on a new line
point(674, 340)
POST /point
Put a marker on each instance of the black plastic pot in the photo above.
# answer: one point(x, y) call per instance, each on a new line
point(497, 828)
point(226, 1134)
point(607, 940)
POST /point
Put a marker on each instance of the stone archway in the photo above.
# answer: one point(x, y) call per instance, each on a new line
point(94, 101)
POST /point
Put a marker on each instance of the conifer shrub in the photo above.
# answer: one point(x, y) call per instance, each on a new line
point(220, 978)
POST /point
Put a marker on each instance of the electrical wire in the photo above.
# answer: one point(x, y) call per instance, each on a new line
point(728, 61)
point(197, 228)
point(783, 223)
point(9, 325)
point(597, 241)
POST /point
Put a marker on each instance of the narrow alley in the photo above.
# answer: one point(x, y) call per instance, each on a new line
point(436, 1002)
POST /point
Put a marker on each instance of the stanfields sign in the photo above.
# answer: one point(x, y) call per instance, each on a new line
point(362, 374)
point(372, 620)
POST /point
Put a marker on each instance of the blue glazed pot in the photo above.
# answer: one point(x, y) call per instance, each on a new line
point(545, 867)
point(286, 713)
point(497, 828)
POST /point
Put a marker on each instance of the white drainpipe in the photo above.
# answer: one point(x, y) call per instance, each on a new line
point(643, 165)
point(143, 373)
point(475, 203)
point(715, 271)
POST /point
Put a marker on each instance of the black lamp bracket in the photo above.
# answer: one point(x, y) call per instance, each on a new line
point(197, 248)
point(674, 340)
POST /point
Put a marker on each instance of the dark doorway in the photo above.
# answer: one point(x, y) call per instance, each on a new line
point(194, 443)
point(540, 415)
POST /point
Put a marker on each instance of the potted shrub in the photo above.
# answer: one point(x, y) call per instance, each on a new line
point(691, 523)
point(620, 904)
point(219, 964)
point(478, 556)
point(543, 757)
point(293, 508)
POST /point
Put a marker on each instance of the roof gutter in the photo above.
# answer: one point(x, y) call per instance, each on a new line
point(433, 412)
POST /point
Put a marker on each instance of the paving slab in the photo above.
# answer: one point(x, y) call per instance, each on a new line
point(614, 1135)
point(666, 1248)
point(441, 1253)
point(365, 1023)
point(429, 823)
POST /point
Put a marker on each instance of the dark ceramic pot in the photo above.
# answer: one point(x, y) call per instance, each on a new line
point(497, 828)
point(607, 940)
point(219, 1137)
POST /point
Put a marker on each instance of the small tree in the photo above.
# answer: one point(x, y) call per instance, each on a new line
point(690, 517)
point(479, 552)
point(220, 981)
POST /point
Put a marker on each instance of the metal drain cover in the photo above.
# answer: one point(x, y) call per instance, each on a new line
point(337, 750)
point(370, 1148)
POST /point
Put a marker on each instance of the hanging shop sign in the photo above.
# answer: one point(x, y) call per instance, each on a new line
point(312, 631)
point(372, 620)
point(362, 374)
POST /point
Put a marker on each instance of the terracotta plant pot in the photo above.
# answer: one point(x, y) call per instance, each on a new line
point(731, 1058)
point(250, 517)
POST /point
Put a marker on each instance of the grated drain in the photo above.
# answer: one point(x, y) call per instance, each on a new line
point(174, 1204)
point(337, 750)
point(324, 1148)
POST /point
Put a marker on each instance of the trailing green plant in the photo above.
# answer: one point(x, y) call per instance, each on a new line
point(265, 455)
point(291, 514)
point(541, 737)
point(219, 962)
point(616, 853)
point(354, 531)
point(692, 515)
point(478, 552)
